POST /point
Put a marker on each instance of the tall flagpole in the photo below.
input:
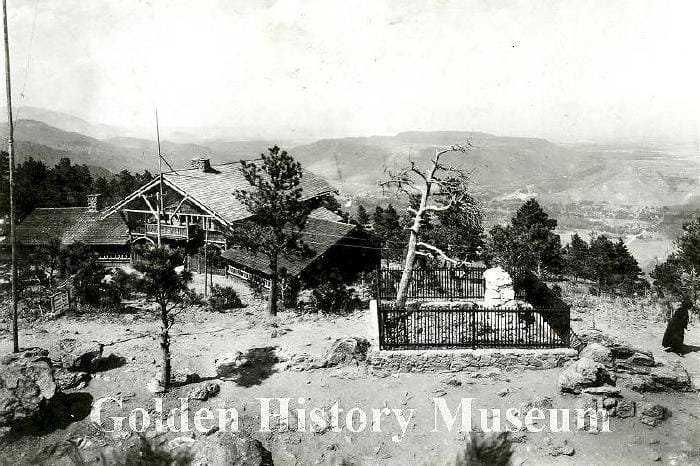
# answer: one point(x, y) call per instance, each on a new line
point(11, 157)
point(160, 176)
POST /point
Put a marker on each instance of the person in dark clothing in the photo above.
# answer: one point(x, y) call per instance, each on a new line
point(675, 331)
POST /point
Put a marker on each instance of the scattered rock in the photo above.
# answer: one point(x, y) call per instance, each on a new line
point(452, 381)
point(652, 414)
point(105, 363)
point(299, 362)
point(625, 408)
point(641, 359)
point(674, 377)
point(225, 448)
point(609, 403)
point(565, 450)
point(184, 376)
point(346, 350)
point(597, 353)
point(503, 392)
point(77, 356)
point(227, 367)
point(605, 390)
point(26, 385)
point(24, 354)
point(587, 402)
point(660, 379)
point(560, 449)
point(582, 374)
point(205, 391)
point(66, 380)
point(154, 386)
point(618, 348)
point(640, 383)
point(539, 402)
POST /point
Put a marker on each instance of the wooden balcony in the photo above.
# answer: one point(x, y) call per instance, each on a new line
point(167, 231)
point(177, 232)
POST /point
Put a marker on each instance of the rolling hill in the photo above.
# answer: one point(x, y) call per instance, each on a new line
point(500, 166)
point(500, 163)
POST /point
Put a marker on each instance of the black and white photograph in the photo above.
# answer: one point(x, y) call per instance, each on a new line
point(361, 232)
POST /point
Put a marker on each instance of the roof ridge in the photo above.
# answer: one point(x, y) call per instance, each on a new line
point(61, 208)
point(213, 166)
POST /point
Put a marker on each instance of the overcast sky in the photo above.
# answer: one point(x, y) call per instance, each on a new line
point(569, 70)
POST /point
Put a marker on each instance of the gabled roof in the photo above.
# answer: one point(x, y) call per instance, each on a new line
point(325, 214)
point(320, 235)
point(72, 225)
point(213, 190)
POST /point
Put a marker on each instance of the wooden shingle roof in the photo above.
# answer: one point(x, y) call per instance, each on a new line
point(320, 235)
point(215, 188)
point(72, 225)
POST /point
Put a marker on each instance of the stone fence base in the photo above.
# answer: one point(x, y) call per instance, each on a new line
point(467, 359)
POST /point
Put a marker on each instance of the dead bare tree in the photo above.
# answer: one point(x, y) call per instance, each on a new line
point(439, 187)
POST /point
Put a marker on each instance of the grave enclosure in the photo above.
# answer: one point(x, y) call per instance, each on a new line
point(468, 308)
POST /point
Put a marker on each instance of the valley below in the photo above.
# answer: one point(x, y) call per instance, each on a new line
point(641, 192)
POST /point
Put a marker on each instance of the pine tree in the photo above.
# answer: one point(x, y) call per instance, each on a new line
point(679, 275)
point(529, 241)
point(278, 212)
point(362, 216)
point(164, 281)
point(612, 267)
point(459, 230)
point(576, 257)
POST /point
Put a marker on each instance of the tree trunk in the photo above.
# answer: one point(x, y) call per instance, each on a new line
point(165, 347)
point(405, 282)
point(274, 286)
point(410, 261)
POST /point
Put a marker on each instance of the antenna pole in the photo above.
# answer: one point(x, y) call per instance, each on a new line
point(160, 179)
point(11, 157)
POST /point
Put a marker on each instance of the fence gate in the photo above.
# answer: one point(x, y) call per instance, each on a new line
point(61, 300)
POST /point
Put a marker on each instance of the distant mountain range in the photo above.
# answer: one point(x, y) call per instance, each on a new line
point(502, 167)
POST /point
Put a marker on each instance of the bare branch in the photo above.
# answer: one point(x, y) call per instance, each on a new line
point(434, 208)
point(418, 172)
point(437, 251)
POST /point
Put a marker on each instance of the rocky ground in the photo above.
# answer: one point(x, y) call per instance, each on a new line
point(248, 356)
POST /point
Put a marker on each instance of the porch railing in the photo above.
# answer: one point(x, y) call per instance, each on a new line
point(169, 231)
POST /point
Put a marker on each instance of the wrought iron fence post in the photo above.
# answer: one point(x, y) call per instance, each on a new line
point(472, 327)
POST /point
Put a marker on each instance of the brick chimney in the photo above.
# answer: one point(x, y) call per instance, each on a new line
point(93, 202)
point(201, 164)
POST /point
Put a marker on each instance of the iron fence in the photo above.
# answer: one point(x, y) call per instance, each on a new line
point(446, 328)
point(438, 283)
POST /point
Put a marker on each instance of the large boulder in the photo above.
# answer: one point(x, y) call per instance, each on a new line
point(582, 374)
point(218, 449)
point(26, 385)
point(619, 349)
point(652, 414)
point(347, 350)
point(597, 352)
point(223, 449)
point(499, 287)
point(66, 380)
point(673, 377)
point(626, 408)
point(75, 355)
